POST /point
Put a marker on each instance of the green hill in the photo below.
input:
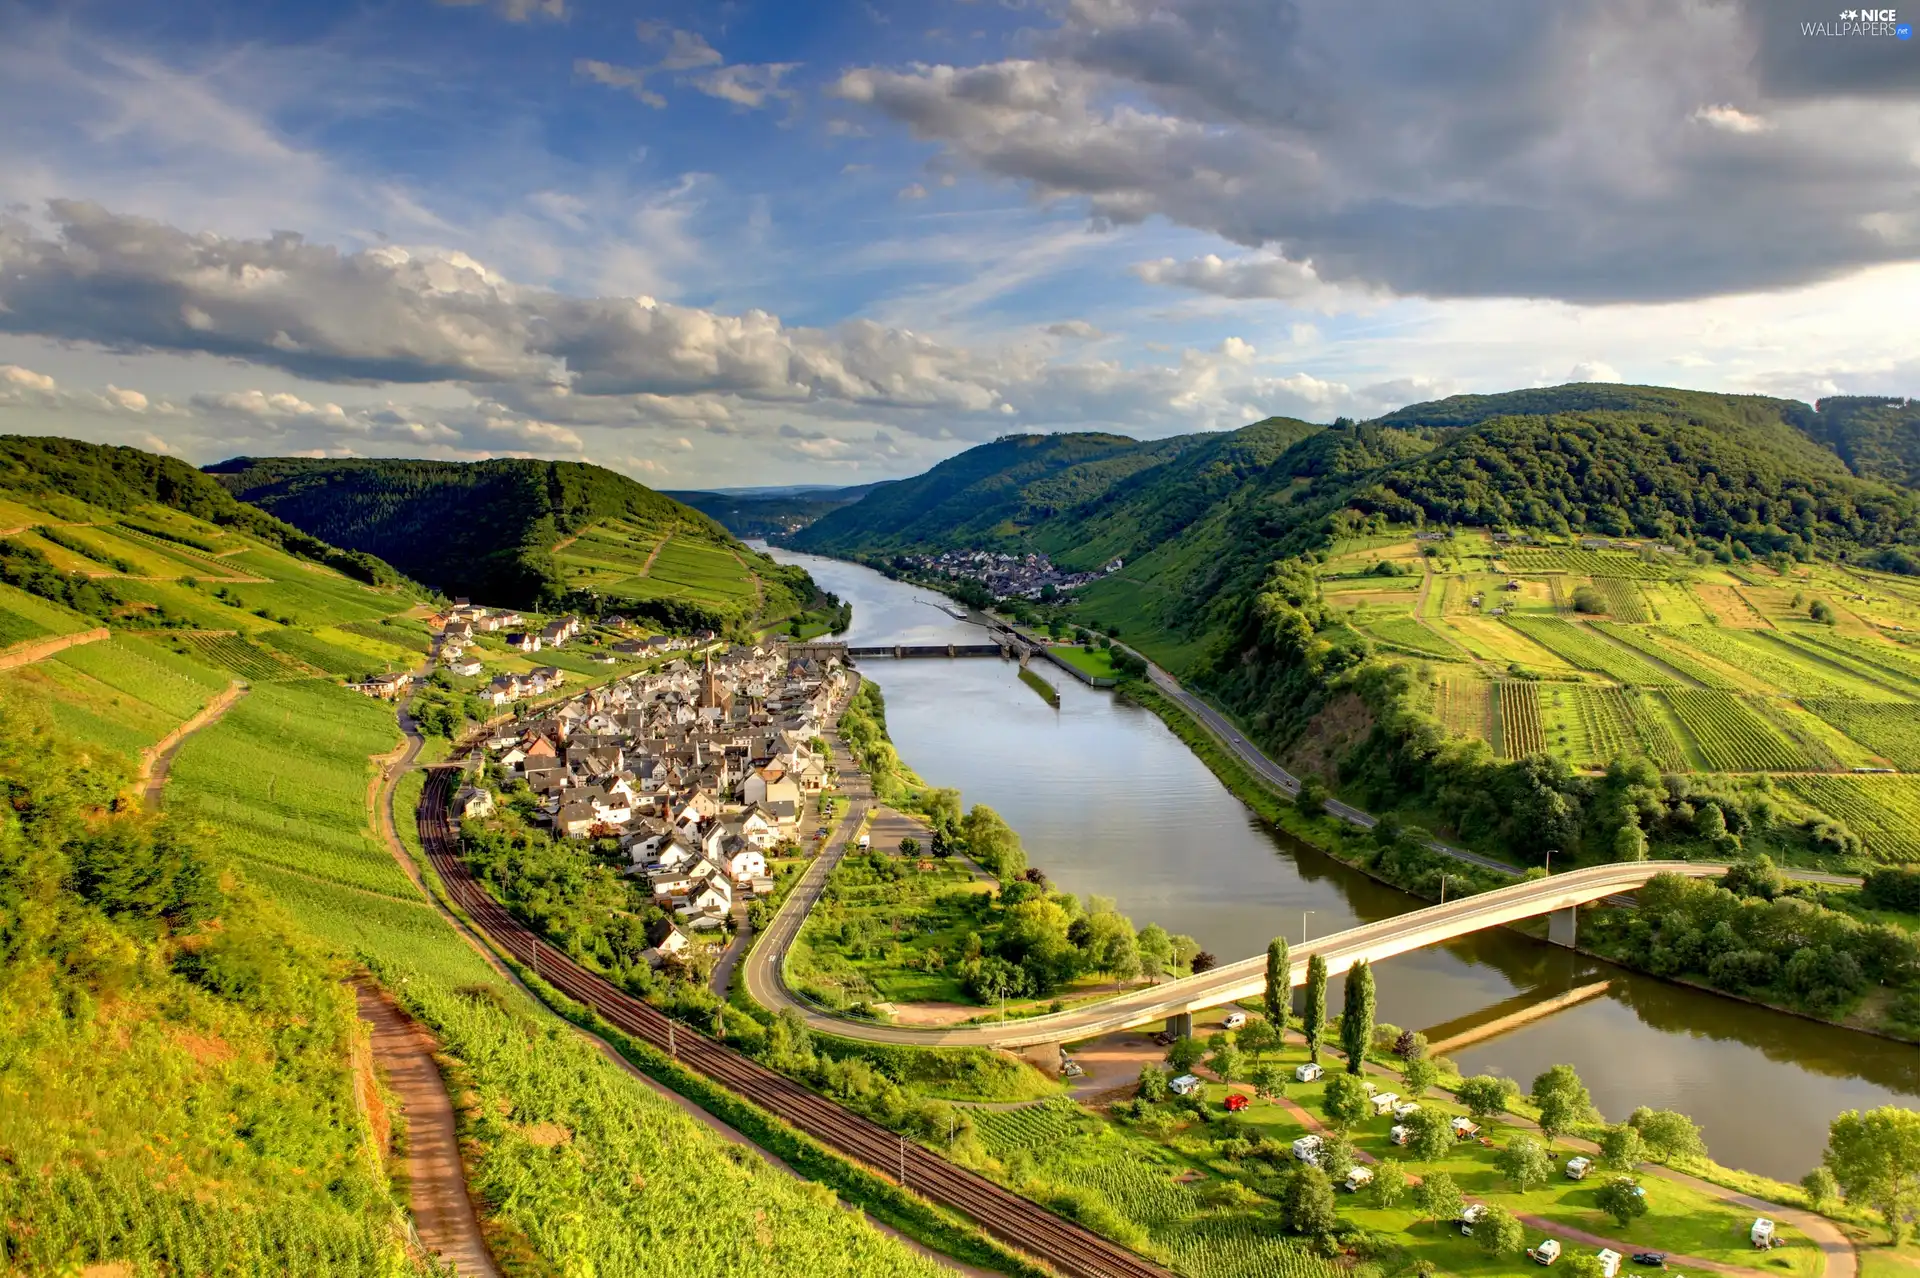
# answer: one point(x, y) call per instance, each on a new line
point(776, 513)
point(1877, 438)
point(529, 534)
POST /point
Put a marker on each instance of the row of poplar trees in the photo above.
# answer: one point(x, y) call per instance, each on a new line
point(1356, 1017)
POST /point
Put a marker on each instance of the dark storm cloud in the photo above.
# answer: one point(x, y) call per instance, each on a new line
point(1590, 151)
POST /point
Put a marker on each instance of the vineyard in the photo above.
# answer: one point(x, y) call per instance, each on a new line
point(1464, 705)
point(1887, 658)
point(1584, 563)
point(1647, 642)
point(1607, 719)
point(319, 653)
point(1731, 737)
point(136, 669)
point(1775, 663)
point(1624, 600)
point(1583, 648)
point(249, 660)
point(1883, 811)
point(1890, 729)
point(1242, 1245)
point(1521, 732)
point(1410, 636)
point(15, 628)
point(1878, 674)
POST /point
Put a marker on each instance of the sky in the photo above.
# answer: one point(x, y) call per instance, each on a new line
point(746, 243)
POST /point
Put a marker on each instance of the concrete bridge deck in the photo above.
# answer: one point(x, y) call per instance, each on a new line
point(1557, 896)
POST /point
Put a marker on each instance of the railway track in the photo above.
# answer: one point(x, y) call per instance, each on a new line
point(1013, 1220)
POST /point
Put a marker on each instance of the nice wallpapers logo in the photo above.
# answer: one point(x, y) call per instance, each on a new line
point(1871, 23)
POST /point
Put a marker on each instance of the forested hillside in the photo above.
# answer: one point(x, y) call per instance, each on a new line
point(777, 513)
point(529, 534)
point(1602, 574)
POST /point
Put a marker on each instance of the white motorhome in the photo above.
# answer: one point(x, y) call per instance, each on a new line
point(1307, 1073)
point(1577, 1168)
point(1358, 1179)
point(1307, 1149)
point(1546, 1252)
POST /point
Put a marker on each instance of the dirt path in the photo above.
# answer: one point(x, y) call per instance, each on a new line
point(157, 759)
point(40, 649)
point(443, 1215)
point(646, 569)
point(564, 542)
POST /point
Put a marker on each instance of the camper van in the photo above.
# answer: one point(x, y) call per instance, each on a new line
point(1472, 1216)
point(1762, 1233)
point(1236, 1020)
point(1358, 1179)
point(1383, 1103)
point(1185, 1085)
point(1405, 1110)
point(1307, 1150)
point(1307, 1073)
point(1465, 1128)
point(1577, 1168)
point(1609, 1263)
point(1400, 1135)
point(1545, 1253)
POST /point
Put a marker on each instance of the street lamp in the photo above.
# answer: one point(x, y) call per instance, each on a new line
point(1303, 924)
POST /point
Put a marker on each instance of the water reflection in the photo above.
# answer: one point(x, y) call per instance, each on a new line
point(1109, 802)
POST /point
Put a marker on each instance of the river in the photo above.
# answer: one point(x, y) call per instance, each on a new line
point(1111, 803)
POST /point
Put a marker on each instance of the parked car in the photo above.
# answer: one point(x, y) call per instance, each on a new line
point(1652, 1259)
point(1070, 1069)
point(1236, 1020)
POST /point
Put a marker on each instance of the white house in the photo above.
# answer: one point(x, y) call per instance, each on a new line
point(473, 803)
point(575, 819)
point(743, 861)
point(466, 667)
point(757, 828)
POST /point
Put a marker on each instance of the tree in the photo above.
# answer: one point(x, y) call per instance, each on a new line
point(1622, 1199)
point(1821, 1188)
point(1622, 1147)
point(1313, 1019)
point(1875, 1159)
point(1228, 1063)
point(1279, 993)
point(1153, 1083)
point(1587, 599)
point(1345, 1101)
point(1337, 1156)
point(1269, 1080)
point(1356, 1019)
point(1184, 1053)
point(1430, 1135)
point(1439, 1197)
point(1668, 1135)
point(1418, 1076)
point(1524, 1162)
point(1630, 843)
point(1312, 799)
point(1156, 951)
point(1563, 1101)
point(1484, 1096)
point(1258, 1037)
point(1498, 1232)
point(1585, 1264)
point(909, 845)
point(1204, 961)
point(1822, 612)
point(1410, 1046)
point(1306, 1202)
point(1389, 1183)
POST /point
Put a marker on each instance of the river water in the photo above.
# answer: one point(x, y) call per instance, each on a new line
point(1111, 803)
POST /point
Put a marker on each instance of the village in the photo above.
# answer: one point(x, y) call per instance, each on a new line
point(700, 770)
point(1005, 576)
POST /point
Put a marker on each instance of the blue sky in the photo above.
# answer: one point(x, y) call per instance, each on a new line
point(758, 243)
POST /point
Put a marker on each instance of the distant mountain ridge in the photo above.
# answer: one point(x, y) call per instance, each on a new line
point(770, 512)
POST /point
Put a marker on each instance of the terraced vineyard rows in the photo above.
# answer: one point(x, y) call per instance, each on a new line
point(248, 660)
point(1243, 1247)
point(1882, 674)
point(1521, 732)
point(1776, 663)
point(1883, 811)
point(1607, 719)
point(1624, 600)
point(1731, 736)
point(1465, 706)
point(1648, 642)
point(1581, 647)
point(1890, 729)
point(1410, 635)
point(1585, 563)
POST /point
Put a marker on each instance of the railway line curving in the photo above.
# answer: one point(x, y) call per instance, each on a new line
point(1023, 1225)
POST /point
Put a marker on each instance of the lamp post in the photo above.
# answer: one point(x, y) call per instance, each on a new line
point(1303, 925)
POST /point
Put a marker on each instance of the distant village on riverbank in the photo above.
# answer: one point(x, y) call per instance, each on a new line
point(1005, 576)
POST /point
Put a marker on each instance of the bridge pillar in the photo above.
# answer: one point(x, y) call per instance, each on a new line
point(950, 651)
point(1045, 1057)
point(1563, 926)
point(1181, 1023)
point(899, 651)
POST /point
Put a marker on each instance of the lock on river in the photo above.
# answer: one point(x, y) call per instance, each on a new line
point(1111, 803)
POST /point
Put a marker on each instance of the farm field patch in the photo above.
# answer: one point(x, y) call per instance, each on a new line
point(1409, 635)
point(1732, 737)
point(1884, 810)
point(1521, 731)
point(1581, 647)
point(1889, 728)
point(242, 656)
point(1724, 605)
point(1648, 642)
point(1780, 664)
point(1587, 563)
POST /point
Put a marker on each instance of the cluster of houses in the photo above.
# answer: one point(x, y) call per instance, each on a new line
point(508, 688)
point(1007, 576)
point(699, 771)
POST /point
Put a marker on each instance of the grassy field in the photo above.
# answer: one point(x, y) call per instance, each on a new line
point(877, 938)
point(1094, 662)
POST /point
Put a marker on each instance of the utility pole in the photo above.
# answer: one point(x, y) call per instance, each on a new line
point(673, 1046)
point(903, 1162)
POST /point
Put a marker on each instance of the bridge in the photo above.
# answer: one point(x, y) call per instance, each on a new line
point(932, 650)
point(1558, 897)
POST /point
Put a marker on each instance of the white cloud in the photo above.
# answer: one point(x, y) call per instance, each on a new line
point(632, 79)
point(1078, 329)
point(517, 10)
point(1593, 371)
point(13, 376)
point(747, 84)
point(1261, 275)
point(1730, 119)
point(913, 191)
